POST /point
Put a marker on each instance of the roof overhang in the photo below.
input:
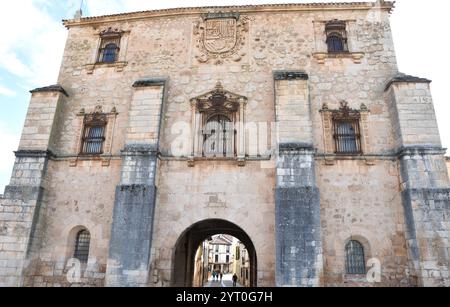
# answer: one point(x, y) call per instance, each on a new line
point(271, 8)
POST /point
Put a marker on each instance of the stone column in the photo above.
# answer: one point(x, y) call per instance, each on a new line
point(298, 231)
point(131, 234)
point(425, 185)
point(20, 208)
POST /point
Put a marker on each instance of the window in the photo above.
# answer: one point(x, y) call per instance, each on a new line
point(238, 253)
point(82, 243)
point(217, 248)
point(227, 259)
point(218, 123)
point(228, 249)
point(216, 258)
point(109, 46)
point(347, 136)
point(218, 137)
point(346, 130)
point(335, 44)
point(93, 140)
point(354, 258)
point(109, 53)
point(336, 36)
point(94, 134)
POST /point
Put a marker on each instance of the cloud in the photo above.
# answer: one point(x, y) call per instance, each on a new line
point(32, 51)
point(6, 91)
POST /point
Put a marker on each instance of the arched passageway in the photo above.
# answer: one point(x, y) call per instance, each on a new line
point(189, 242)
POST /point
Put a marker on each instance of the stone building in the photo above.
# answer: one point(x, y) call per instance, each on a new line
point(220, 254)
point(241, 264)
point(288, 127)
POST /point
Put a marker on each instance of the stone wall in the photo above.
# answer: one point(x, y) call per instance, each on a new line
point(359, 196)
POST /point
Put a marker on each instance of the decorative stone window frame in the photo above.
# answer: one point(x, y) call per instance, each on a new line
point(337, 28)
point(109, 120)
point(344, 112)
point(343, 28)
point(218, 101)
point(110, 35)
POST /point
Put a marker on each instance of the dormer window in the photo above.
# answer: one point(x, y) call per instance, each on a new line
point(109, 46)
point(336, 36)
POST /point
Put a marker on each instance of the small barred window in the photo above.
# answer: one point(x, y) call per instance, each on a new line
point(94, 134)
point(83, 241)
point(355, 261)
point(347, 136)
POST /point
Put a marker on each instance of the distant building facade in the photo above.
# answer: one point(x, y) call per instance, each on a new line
point(288, 127)
point(220, 254)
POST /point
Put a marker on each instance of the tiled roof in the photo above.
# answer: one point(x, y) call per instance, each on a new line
point(242, 8)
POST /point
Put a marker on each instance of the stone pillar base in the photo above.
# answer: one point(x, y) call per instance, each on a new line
point(299, 245)
point(131, 235)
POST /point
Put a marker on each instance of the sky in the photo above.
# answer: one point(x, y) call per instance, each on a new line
point(33, 39)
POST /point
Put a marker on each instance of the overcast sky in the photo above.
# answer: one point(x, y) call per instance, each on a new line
point(33, 38)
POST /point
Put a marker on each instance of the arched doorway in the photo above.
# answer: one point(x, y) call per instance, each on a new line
point(189, 242)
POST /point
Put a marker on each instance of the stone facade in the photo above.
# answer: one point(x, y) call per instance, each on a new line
point(284, 192)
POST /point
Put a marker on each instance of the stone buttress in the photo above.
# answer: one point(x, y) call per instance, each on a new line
point(298, 231)
point(425, 185)
point(131, 234)
point(21, 209)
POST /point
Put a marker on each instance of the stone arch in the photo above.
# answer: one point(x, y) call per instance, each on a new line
point(188, 242)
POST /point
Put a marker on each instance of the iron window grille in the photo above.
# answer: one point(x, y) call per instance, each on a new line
point(347, 136)
point(109, 46)
point(93, 134)
point(219, 137)
point(83, 241)
point(346, 130)
point(109, 53)
point(336, 33)
point(355, 259)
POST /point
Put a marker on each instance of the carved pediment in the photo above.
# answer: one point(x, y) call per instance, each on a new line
point(218, 100)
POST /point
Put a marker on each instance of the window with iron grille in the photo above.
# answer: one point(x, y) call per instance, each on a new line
point(336, 36)
point(347, 136)
point(82, 243)
point(335, 44)
point(354, 258)
point(219, 137)
point(109, 53)
point(109, 46)
point(93, 139)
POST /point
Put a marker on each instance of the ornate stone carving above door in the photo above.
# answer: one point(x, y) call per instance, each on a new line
point(220, 36)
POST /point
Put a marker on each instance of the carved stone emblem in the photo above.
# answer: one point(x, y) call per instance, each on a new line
point(220, 36)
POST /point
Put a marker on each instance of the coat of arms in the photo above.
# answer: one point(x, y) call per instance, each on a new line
point(220, 36)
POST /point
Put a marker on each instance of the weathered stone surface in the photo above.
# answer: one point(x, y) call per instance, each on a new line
point(131, 236)
point(296, 200)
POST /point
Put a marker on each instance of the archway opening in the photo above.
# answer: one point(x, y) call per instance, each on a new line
point(202, 244)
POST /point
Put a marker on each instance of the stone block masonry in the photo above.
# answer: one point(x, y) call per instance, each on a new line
point(134, 207)
point(297, 199)
point(424, 181)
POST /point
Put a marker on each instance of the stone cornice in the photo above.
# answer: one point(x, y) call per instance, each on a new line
point(271, 8)
point(421, 151)
point(34, 154)
point(150, 82)
point(51, 88)
point(403, 78)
